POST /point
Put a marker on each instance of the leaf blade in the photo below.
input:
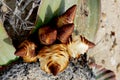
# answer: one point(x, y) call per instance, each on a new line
point(6, 48)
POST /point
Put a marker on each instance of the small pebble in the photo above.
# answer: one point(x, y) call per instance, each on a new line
point(27, 71)
point(4, 8)
point(118, 67)
point(104, 16)
point(103, 61)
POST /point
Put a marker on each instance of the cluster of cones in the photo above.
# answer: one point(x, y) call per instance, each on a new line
point(54, 56)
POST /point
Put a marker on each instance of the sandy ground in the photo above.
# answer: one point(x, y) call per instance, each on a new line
point(107, 50)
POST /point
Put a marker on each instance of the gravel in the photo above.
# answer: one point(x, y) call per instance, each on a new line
point(76, 70)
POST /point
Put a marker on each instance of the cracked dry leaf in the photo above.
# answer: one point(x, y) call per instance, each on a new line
point(102, 73)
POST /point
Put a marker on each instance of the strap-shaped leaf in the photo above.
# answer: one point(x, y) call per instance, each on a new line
point(87, 18)
point(6, 48)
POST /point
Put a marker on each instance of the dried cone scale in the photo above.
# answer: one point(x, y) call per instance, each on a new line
point(67, 17)
point(53, 59)
point(65, 32)
point(27, 51)
point(47, 35)
point(78, 45)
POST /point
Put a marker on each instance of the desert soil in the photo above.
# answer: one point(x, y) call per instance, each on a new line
point(107, 49)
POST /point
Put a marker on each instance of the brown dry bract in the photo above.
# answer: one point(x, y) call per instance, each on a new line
point(53, 59)
point(79, 45)
point(27, 51)
point(86, 41)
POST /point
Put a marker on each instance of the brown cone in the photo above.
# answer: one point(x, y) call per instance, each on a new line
point(64, 32)
point(47, 35)
point(54, 68)
point(67, 17)
point(20, 52)
point(27, 51)
point(54, 58)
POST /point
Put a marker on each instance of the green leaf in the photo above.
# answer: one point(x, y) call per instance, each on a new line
point(6, 48)
point(86, 20)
